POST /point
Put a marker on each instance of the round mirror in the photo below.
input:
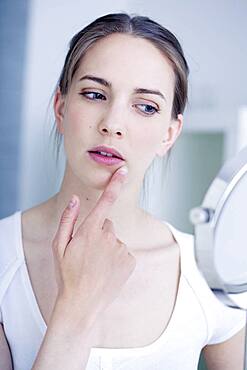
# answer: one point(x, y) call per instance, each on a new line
point(220, 226)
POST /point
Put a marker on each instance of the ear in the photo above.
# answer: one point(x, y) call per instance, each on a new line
point(58, 106)
point(172, 134)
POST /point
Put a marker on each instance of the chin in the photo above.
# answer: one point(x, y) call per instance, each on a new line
point(94, 180)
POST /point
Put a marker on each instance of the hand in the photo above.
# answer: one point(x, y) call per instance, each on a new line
point(93, 265)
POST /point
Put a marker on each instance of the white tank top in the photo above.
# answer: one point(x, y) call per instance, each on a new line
point(198, 317)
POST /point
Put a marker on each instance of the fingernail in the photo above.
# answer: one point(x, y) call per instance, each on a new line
point(123, 170)
point(72, 202)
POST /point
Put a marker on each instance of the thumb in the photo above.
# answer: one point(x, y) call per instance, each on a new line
point(66, 226)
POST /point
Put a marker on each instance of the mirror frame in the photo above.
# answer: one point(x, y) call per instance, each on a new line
point(205, 219)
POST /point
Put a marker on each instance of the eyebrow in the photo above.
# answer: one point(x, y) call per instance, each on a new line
point(137, 90)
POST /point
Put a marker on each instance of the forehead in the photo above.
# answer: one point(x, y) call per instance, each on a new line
point(128, 60)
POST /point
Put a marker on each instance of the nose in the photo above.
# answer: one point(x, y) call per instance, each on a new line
point(106, 130)
point(111, 125)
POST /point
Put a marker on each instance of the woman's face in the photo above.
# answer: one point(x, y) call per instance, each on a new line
point(117, 115)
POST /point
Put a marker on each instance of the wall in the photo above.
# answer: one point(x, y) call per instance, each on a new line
point(212, 35)
point(13, 32)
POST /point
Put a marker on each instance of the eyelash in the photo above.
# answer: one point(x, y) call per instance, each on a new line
point(148, 105)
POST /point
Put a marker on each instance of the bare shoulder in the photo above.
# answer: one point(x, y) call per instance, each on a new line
point(227, 355)
point(36, 240)
point(34, 222)
point(157, 229)
point(159, 232)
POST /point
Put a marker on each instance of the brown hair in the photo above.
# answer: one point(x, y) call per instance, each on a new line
point(137, 26)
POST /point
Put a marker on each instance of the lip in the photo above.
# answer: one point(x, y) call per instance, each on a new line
point(108, 161)
point(107, 149)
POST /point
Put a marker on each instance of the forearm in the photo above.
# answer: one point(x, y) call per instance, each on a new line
point(67, 342)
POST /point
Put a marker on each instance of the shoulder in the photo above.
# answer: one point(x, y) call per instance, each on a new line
point(10, 256)
point(186, 245)
point(9, 237)
point(222, 321)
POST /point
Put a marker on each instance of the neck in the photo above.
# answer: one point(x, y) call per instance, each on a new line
point(125, 213)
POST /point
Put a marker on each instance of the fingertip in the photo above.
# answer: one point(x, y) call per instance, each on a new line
point(122, 174)
point(123, 170)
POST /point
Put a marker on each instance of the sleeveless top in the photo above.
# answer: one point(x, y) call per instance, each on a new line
point(198, 317)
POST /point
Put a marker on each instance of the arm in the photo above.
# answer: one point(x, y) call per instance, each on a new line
point(5, 355)
point(91, 266)
point(227, 355)
point(66, 344)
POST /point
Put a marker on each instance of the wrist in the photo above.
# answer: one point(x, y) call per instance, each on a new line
point(73, 318)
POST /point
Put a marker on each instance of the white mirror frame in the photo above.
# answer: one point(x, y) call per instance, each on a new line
point(205, 220)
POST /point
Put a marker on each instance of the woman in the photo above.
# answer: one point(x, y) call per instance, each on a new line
point(103, 275)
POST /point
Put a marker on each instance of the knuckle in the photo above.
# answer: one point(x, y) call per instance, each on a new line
point(121, 244)
point(66, 218)
point(122, 248)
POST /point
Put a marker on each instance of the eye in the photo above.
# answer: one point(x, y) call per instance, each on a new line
point(151, 109)
point(97, 96)
point(86, 93)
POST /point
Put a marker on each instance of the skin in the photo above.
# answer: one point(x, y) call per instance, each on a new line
point(227, 355)
point(119, 122)
point(90, 262)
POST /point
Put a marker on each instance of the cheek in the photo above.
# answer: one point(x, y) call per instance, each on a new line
point(81, 119)
point(76, 123)
point(145, 146)
point(76, 132)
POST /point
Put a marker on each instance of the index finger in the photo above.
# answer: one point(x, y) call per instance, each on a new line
point(98, 214)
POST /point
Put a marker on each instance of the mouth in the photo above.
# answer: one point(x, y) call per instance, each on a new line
point(104, 159)
point(106, 151)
